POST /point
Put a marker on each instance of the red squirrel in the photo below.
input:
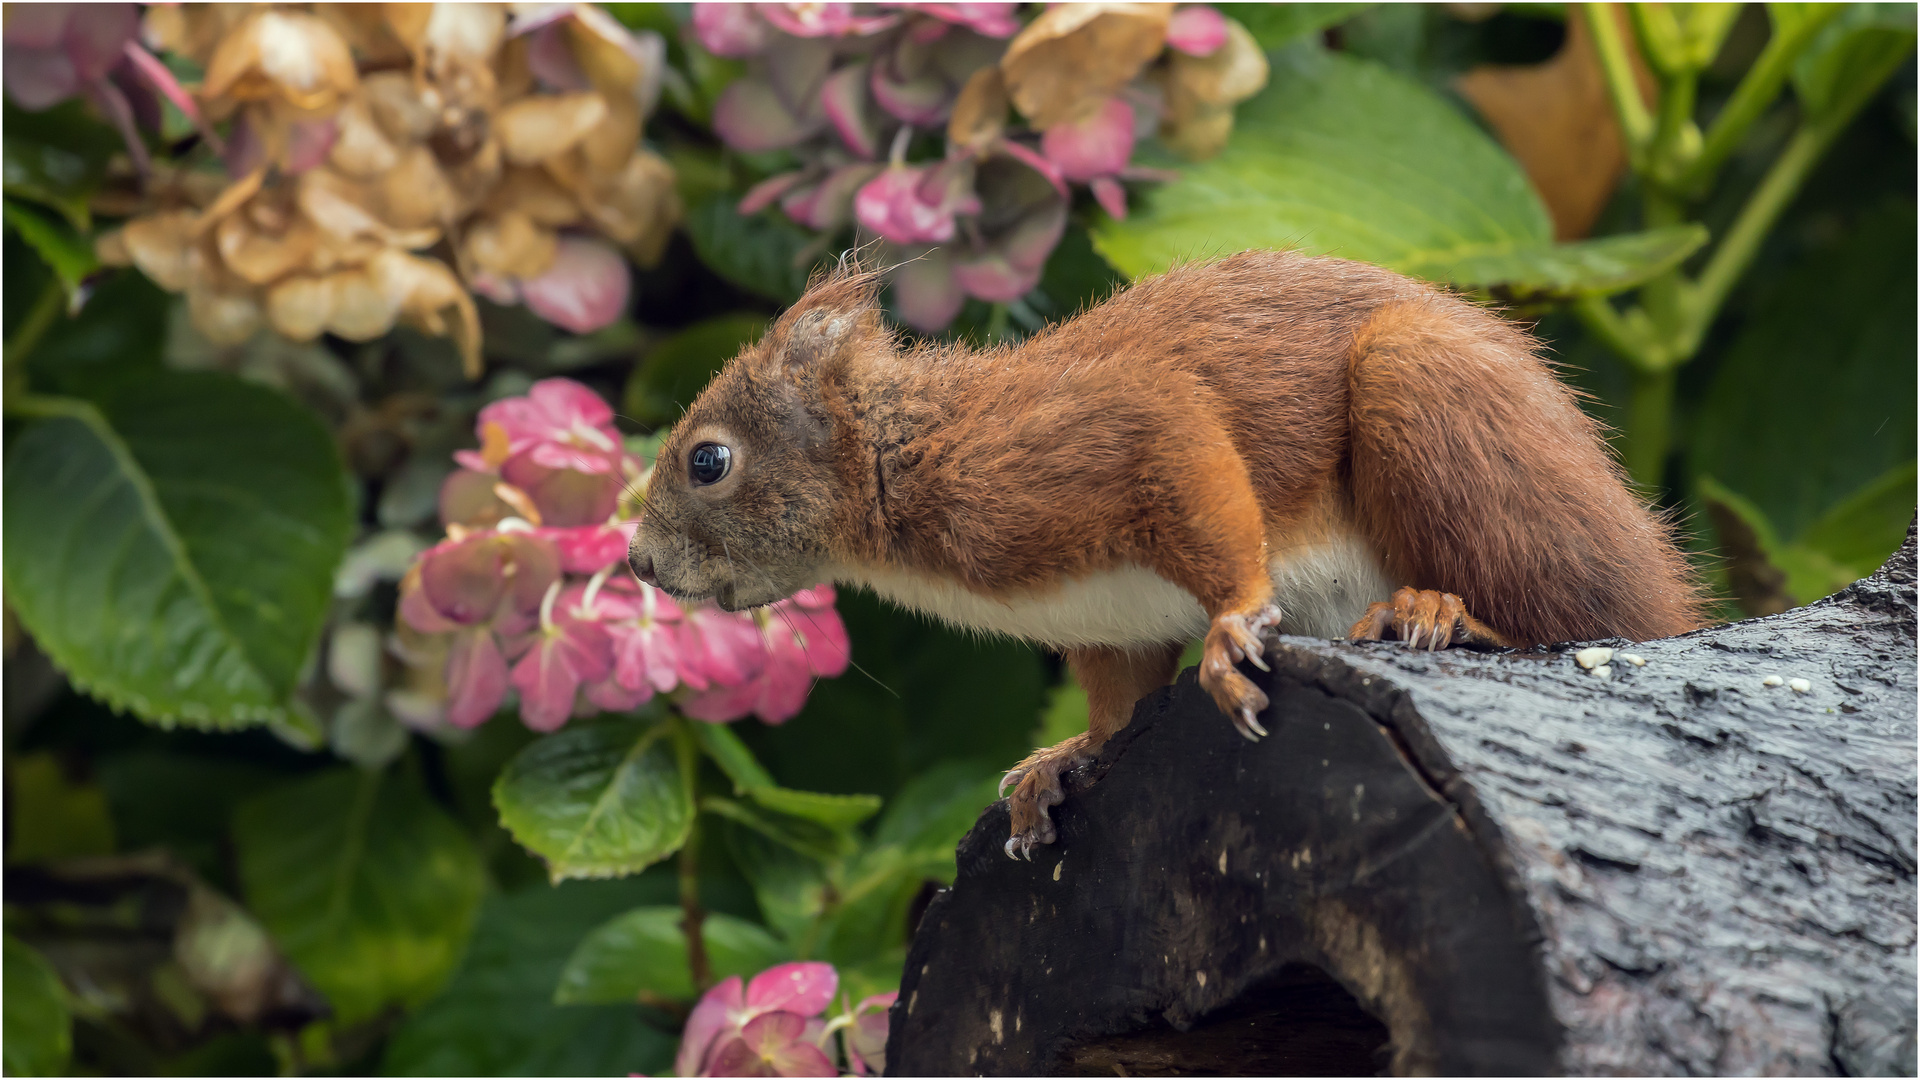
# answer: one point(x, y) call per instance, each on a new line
point(1267, 440)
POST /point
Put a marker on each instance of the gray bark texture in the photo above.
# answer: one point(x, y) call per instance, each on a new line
point(1465, 863)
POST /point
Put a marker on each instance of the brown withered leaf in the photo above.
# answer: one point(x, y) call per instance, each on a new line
point(980, 112)
point(1202, 91)
point(1556, 118)
point(1074, 56)
point(534, 193)
point(510, 244)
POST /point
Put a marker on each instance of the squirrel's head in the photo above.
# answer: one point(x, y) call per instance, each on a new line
point(747, 491)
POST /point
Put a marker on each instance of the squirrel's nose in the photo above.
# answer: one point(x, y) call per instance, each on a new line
point(642, 567)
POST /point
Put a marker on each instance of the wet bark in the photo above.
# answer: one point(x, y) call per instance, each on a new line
point(1465, 863)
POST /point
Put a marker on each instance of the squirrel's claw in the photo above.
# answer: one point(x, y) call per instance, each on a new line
point(1248, 725)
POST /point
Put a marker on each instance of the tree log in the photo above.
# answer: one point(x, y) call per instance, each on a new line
point(1466, 863)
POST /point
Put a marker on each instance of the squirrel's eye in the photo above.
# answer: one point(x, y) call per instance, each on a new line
point(708, 462)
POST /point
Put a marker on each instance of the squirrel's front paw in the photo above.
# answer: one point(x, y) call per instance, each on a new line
point(1036, 788)
point(1233, 638)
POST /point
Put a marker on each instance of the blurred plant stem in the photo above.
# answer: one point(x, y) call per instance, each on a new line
point(39, 319)
point(1662, 328)
point(693, 916)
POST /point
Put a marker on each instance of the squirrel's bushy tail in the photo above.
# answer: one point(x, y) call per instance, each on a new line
point(1475, 471)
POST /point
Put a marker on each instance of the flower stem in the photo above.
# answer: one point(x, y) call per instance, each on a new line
point(40, 319)
point(1647, 435)
point(1636, 122)
point(693, 917)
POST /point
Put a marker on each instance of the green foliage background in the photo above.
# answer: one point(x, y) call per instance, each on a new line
point(178, 521)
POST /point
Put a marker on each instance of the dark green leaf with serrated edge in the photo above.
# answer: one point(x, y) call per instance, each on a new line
point(673, 372)
point(597, 800)
point(38, 1026)
point(173, 549)
point(368, 886)
point(1340, 156)
point(833, 811)
point(645, 951)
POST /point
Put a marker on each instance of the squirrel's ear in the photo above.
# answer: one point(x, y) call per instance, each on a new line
point(820, 339)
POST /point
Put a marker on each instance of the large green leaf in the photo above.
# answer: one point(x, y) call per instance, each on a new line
point(1340, 156)
point(597, 800)
point(68, 253)
point(752, 780)
point(369, 887)
point(172, 548)
point(670, 375)
point(644, 952)
point(1813, 400)
point(38, 1036)
point(497, 1016)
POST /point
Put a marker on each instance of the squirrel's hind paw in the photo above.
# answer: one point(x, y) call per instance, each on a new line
point(1234, 638)
point(1424, 619)
point(1036, 789)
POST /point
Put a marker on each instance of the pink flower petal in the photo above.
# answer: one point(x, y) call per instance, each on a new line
point(160, 77)
point(818, 635)
point(585, 289)
point(768, 191)
point(844, 99)
point(804, 988)
point(476, 678)
point(922, 102)
point(926, 294)
point(566, 497)
point(720, 648)
point(97, 37)
point(867, 1038)
point(1037, 162)
point(588, 549)
point(550, 58)
point(708, 1019)
point(1032, 239)
point(1111, 196)
point(38, 78)
point(308, 143)
point(812, 20)
point(564, 656)
point(609, 695)
point(1097, 145)
point(416, 612)
point(750, 116)
point(38, 26)
point(992, 20)
point(993, 279)
point(722, 704)
point(732, 30)
point(1197, 30)
point(829, 204)
point(467, 580)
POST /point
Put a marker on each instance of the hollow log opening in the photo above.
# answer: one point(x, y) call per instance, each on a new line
point(1299, 1023)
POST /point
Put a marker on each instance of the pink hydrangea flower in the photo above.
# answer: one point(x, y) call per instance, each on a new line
point(569, 649)
point(803, 639)
point(731, 30)
point(799, 991)
point(564, 425)
point(1098, 144)
point(866, 1037)
point(811, 20)
point(990, 20)
point(915, 204)
point(584, 290)
point(1197, 30)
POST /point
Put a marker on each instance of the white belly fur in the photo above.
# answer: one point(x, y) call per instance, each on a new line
point(1322, 590)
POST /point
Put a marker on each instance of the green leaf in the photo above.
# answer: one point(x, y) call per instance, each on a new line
point(1813, 398)
point(1864, 528)
point(597, 800)
point(1849, 59)
point(368, 886)
point(51, 817)
point(53, 176)
point(644, 951)
point(1274, 25)
point(764, 253)
point(833, 811)
point(68, 253)
point(497, 1016)
point(936, 809)
point(172, 548)
point(1339, 156)
point(1536, 272)
point(676, 370)
point(810, 838)
point(38, 1026)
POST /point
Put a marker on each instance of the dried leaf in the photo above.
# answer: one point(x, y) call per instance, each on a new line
point(1558, 120)
point(1074, 56)
point(299, 307)
point(289, 55)
point(161, 245)
point(537, 128)
point(510, 244)
point(980, 112)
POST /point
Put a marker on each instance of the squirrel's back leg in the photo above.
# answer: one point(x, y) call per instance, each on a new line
point(1115, 679)
point(1476, 473)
